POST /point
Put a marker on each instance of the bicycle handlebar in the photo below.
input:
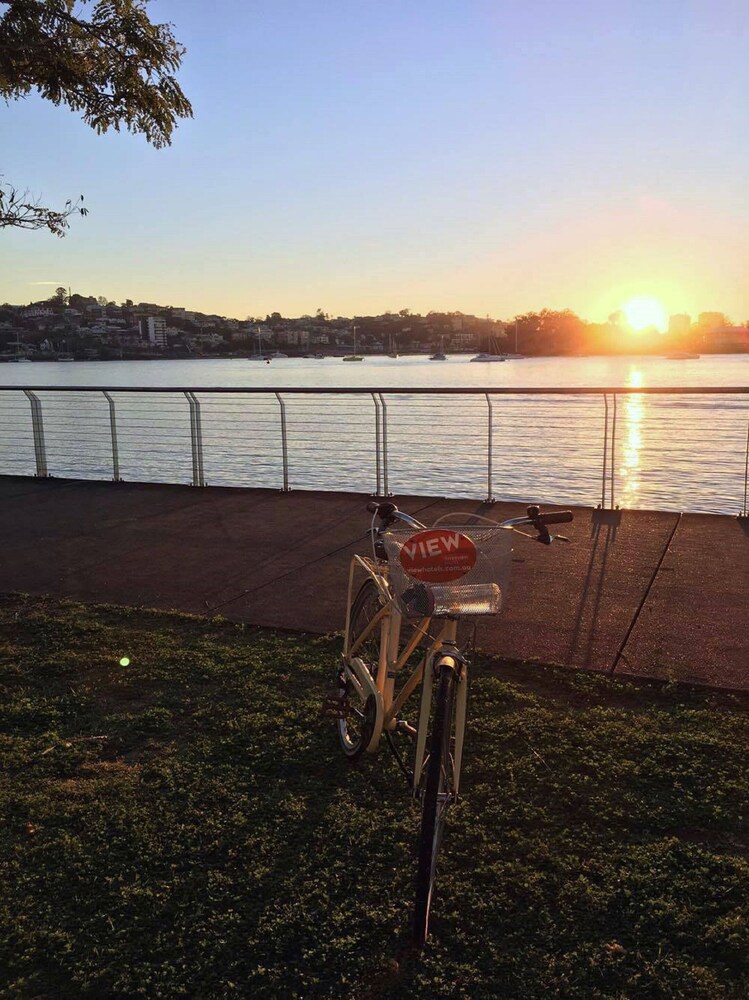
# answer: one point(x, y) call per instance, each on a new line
point(389, 513)
point(540, 522)
point(557, 517)
point(553, 517)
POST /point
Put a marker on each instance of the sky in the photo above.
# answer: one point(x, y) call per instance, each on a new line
point(356, 156)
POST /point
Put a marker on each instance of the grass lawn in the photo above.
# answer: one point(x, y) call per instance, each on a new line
point(186, 826)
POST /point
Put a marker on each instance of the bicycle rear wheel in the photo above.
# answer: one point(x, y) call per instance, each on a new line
point(438, 793)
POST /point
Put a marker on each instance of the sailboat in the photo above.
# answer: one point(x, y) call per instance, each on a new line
point(512, 357)
point(267, 356)
point(496, 356)
point(489, 357)
point(354, 356)
point(20, 358)
point(440, 354)
point(393, 353)
point(258, 355)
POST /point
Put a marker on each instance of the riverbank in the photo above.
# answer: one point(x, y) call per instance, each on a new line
point(339, 353)
point(637, 593)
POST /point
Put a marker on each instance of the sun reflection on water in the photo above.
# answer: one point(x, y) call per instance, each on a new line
point(634, 409)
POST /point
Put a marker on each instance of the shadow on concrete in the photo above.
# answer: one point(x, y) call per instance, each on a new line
point(604, 522)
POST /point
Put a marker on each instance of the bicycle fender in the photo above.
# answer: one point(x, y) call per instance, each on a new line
point(363, 677)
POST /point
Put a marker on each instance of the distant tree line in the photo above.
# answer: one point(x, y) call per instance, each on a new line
point(545, 332)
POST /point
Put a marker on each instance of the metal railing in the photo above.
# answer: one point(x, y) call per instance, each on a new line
point(664, 445)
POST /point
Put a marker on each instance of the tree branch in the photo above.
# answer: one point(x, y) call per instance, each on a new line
point(21, 211)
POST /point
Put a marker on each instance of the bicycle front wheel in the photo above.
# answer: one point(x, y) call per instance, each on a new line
point(356, 714)
point(438, 793)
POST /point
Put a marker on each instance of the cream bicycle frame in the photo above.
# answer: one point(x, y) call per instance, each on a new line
point(391, 663)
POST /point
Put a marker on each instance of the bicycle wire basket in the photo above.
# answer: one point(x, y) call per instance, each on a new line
point(479, 590)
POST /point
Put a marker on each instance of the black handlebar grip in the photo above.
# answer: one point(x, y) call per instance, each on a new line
point(556, 517)
point(383, 509)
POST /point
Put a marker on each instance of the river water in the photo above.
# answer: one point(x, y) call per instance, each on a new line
point(670, 452)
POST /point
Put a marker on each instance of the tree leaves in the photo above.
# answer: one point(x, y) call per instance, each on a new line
point(116, 67)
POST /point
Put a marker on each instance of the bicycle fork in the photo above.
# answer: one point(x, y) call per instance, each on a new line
point(449, 656)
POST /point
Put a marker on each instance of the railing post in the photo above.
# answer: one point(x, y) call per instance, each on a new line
point(605, 449)
point(196, 435)
point(113, 433)
point(377, 444)
point(613, 453)
point(745, 510)
point(37, 426)
point(385, 488)
point(489, 450)
point(608, 452)
point(284, 444)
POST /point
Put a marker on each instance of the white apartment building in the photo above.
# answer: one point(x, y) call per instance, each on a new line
point(153, 329)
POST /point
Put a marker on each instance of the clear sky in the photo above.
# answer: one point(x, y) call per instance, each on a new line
point(491, 156)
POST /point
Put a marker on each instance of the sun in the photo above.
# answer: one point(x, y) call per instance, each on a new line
point(644, 314)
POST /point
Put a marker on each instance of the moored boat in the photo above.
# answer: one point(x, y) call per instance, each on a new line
point(440, 354)
point(354, 356)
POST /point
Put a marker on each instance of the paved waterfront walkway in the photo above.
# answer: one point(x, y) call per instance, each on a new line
point(637, 592)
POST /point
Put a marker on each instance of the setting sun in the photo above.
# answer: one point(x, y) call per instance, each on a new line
point(644, 314)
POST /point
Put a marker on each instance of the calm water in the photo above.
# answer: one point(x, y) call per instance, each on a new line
point(679, 452)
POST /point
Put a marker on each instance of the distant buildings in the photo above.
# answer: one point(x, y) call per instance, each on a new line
point(463, 341)
point(179, 313)
point(717, 334)
point(679, 324)
point(727, 339)
point(710, 321)
point(293, 338)
point(153, 329)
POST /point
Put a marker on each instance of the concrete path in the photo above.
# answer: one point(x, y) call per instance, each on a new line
point(642, 593)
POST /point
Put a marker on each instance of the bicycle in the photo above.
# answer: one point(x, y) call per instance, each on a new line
point(417, 575)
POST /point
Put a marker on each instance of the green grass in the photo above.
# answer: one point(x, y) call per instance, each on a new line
point(186, 826)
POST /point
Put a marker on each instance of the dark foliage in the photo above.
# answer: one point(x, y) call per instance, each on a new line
point(115, 66)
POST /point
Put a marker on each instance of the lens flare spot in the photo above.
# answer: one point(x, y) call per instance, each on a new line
point(125, 661)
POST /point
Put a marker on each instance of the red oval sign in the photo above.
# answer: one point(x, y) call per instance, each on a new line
point(438, 555)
